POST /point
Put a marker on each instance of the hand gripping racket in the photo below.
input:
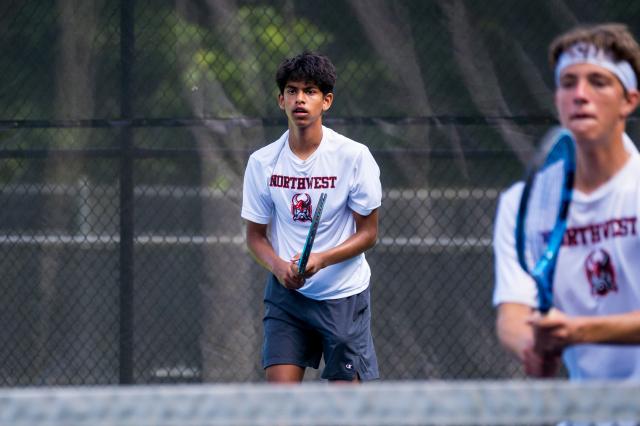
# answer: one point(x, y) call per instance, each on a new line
point(543, 211)
point(311, 235)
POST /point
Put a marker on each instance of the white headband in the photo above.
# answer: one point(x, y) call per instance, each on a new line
point(585, 53)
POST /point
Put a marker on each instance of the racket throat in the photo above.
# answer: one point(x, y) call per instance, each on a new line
point(544, 280)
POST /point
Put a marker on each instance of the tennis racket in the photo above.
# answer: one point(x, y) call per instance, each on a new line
point(543, 211)
point(311, 235)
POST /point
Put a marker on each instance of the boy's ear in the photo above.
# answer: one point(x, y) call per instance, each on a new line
point(327, 101)
point(632, 98)
point(281, 101)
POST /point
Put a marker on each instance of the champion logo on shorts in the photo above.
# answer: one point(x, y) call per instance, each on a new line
point(348, 366)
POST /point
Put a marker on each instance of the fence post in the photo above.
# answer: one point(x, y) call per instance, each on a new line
point(127, 43)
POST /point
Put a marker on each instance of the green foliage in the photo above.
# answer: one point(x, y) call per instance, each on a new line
point(191, 60)
point(238, 61)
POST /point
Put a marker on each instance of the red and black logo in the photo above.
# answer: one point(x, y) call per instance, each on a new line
point(600, 272)
point(301, 207)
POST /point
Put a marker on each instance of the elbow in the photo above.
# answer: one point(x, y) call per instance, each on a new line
point(249, 243)
point(371, 240)
point(367, 229)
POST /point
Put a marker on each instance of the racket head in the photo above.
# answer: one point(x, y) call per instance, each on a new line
point(311, 235)
point(544, 207)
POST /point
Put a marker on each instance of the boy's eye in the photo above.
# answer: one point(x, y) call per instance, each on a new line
point(567, 82)
point(594, 80)
point(599, 81)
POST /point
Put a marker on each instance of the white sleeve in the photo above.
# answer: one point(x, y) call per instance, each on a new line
point(512, 283)
point(365, 193)
point(257, 205)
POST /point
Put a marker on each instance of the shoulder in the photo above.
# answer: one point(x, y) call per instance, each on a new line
point(635, 164)
point(627, 181)
point(634, 159)
point(514, 191)
point(343, 144)
point(510, 198)
point(267, 154)
point(632, 183)
point(629, 145)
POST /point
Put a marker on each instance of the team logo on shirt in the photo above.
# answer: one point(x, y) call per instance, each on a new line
point(600, 272)
point(301, 207)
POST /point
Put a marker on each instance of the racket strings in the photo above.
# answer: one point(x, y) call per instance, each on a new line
point(544, 205)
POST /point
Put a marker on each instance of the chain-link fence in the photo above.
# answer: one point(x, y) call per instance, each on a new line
point(124, 131)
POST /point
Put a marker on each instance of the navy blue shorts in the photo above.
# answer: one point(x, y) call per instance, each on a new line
point(299, 331)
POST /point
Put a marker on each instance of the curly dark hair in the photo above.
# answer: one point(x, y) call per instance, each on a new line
point(307, 66)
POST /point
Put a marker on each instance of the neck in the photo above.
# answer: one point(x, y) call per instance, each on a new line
point(304, 141)
point(597, 163)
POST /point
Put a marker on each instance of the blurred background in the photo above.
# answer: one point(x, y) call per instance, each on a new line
point(125, 127)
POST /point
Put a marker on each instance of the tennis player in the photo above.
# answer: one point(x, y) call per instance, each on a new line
point(326, 312)
point(595, 325)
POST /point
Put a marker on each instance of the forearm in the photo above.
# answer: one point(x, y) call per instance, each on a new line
point(513, 331)
point(353, 246)
point(516, 335)
point(262, 252)
point(362, 240)
point(607, 329)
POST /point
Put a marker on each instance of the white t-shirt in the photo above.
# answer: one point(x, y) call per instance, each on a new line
point(597, 271)
point(282, 190)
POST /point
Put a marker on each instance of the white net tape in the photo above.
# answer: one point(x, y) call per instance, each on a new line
point(378, 403)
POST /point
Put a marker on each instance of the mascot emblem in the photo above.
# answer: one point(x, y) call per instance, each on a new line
point(301, 207)
point(600, 273)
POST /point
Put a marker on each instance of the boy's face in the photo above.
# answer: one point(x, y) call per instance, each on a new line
point(591, 102)
point(303, 102)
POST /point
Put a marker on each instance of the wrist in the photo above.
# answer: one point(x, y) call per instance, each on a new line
point(274, 265)
point(523, 348)
point(323, 261)
point(583, 330)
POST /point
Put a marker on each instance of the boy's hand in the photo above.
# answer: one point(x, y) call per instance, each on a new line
point(552, 332)
point(314, 264)
point(537, 365)
point(287, 275)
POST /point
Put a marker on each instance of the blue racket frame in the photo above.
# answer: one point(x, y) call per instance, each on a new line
point(544, 269)
point(311, 235)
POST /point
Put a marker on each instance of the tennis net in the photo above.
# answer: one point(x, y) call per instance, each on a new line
point(316, 403)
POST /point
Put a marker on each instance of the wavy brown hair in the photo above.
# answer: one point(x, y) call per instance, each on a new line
point(611, 37)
